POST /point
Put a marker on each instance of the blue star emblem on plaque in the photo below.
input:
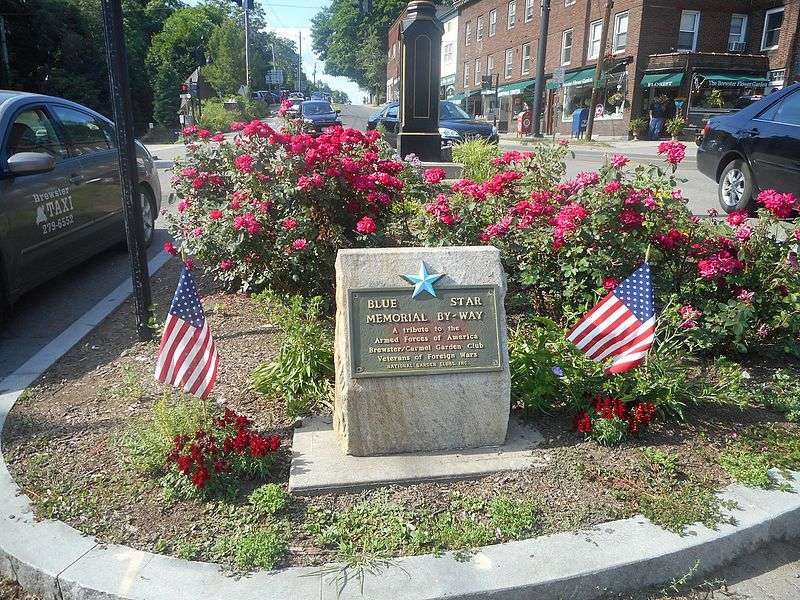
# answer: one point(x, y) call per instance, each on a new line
point(423, 282)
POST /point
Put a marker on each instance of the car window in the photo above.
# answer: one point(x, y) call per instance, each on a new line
point(789, 110)
point(786, 110)
point(451, 112)
point(391, 112)
point(87, 134)
point(32, 131)
point(317, 108)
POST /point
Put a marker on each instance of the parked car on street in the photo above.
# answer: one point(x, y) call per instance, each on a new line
point(455, 124)
point(753, 149)
point(317, 115)
point(60, 192)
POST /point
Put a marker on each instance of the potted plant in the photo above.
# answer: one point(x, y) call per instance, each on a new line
point(637, 126)
point(675, 127)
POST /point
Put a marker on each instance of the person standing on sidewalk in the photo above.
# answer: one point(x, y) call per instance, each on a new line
point(657, 113)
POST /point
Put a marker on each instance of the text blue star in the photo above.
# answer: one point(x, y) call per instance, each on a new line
point(424, 281)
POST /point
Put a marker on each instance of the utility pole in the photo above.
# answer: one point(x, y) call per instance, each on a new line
point(598, 68)
point(541, 53)
point(315, 74)
point(4, 55)
point(126, 153)
point(300, 64)
point(246, 5)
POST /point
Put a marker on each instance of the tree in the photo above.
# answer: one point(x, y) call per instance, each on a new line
point(177, 50)
point(334, 30)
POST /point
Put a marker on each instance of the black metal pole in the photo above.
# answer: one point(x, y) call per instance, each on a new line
point(538, 88)
point(128, 170)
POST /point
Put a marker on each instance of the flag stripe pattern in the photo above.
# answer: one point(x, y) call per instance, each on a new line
point(187, 356)
point(621, 326)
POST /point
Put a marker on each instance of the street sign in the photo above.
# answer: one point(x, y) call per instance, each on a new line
point(558, 75)
point(274, 76)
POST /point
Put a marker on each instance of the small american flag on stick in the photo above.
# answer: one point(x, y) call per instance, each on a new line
point(187, 356)
point(621, 325)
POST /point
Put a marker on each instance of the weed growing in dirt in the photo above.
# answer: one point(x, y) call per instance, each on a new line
point(302, 372)
point(186, 550)
point(748, 457)
point(268, 499)
point(129, 386)
point(259, 549)
point(146, 442)
point(783, 395)
point(668, 496)
point(513, 518)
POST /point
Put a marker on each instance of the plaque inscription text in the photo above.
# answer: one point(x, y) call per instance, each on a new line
point(394, 334)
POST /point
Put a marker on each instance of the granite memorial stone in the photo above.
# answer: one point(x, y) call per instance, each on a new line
point(421, 350)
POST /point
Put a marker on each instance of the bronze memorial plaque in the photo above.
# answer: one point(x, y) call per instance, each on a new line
point(424, 331)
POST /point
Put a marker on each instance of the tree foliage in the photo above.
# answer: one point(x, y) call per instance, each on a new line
point(335, 29)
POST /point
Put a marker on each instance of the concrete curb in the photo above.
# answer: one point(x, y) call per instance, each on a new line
point(56, 562)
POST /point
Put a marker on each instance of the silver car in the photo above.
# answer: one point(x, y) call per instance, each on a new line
point(60, 192)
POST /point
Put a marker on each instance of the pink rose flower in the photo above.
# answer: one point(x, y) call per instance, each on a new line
point(299, 244)
point(215, 214)
point(366, 226)
point(244, 163)
point(619, 160)
point(744, 232)
point(289, 223)
point(170, 247)
point(434, 175)
point(225, 264)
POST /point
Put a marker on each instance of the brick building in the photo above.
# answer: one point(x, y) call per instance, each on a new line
point(703, 53)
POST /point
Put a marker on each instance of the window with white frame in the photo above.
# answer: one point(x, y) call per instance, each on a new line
point(466, 75)
point(687, 36)
point(477, 71)
point(569, 2)
point(509, 69)
point(528, 10)
point(448, 52)
point(467, 33)
point(773, 20)
point(492, 22)
point(512, 13)
point(620, 32)
point(479, 32)
point(566, 47)
point(526, 59)
point(736, 37)
point(595, 33)
point(489, 64)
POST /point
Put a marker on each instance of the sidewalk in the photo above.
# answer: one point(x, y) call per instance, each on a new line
point(631, 148)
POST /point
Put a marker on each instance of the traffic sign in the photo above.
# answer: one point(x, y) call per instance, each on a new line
point(558, 75)
point(274, 76)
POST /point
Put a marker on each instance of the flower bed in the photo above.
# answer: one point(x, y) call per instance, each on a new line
point(715, 402)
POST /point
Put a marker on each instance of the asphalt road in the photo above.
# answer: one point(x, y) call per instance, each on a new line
point(43, 313)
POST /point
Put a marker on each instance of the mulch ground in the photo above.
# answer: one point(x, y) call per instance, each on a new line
point(61, 442)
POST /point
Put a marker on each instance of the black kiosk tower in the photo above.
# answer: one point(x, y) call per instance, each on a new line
point(420, 47)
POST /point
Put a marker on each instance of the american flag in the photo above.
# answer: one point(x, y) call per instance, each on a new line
point(621, 325)
point(187, 356)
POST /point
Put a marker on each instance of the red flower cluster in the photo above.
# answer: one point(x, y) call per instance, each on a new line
point(207, 454)
point(638, 416)
point(441, 210)
point(674, 238)
point(434, 175)
point(780, 205)
point(566, 221)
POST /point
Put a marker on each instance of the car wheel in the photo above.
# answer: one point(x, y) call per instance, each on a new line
point(148, 207)
point(735, 188)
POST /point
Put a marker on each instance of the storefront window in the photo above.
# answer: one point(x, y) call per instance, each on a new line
point(718, 98)
point(611, 102)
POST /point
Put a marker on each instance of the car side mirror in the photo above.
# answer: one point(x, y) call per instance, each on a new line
point(28, 163)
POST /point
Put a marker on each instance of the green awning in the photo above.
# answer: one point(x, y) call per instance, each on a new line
point(552, 84)
point(455, 98)
point(472, 93)
point(670, 79)
point(514, 89)
point(735, 79)
point(581, 77)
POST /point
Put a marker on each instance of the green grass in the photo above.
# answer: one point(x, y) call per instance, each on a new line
point(268, 499)
point(669, 497)
point(749, 456)
point(513, 518)
point(262, 548)
point(146, 442)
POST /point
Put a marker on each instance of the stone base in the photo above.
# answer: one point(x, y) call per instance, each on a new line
point(319, 465)
point(426, 146)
